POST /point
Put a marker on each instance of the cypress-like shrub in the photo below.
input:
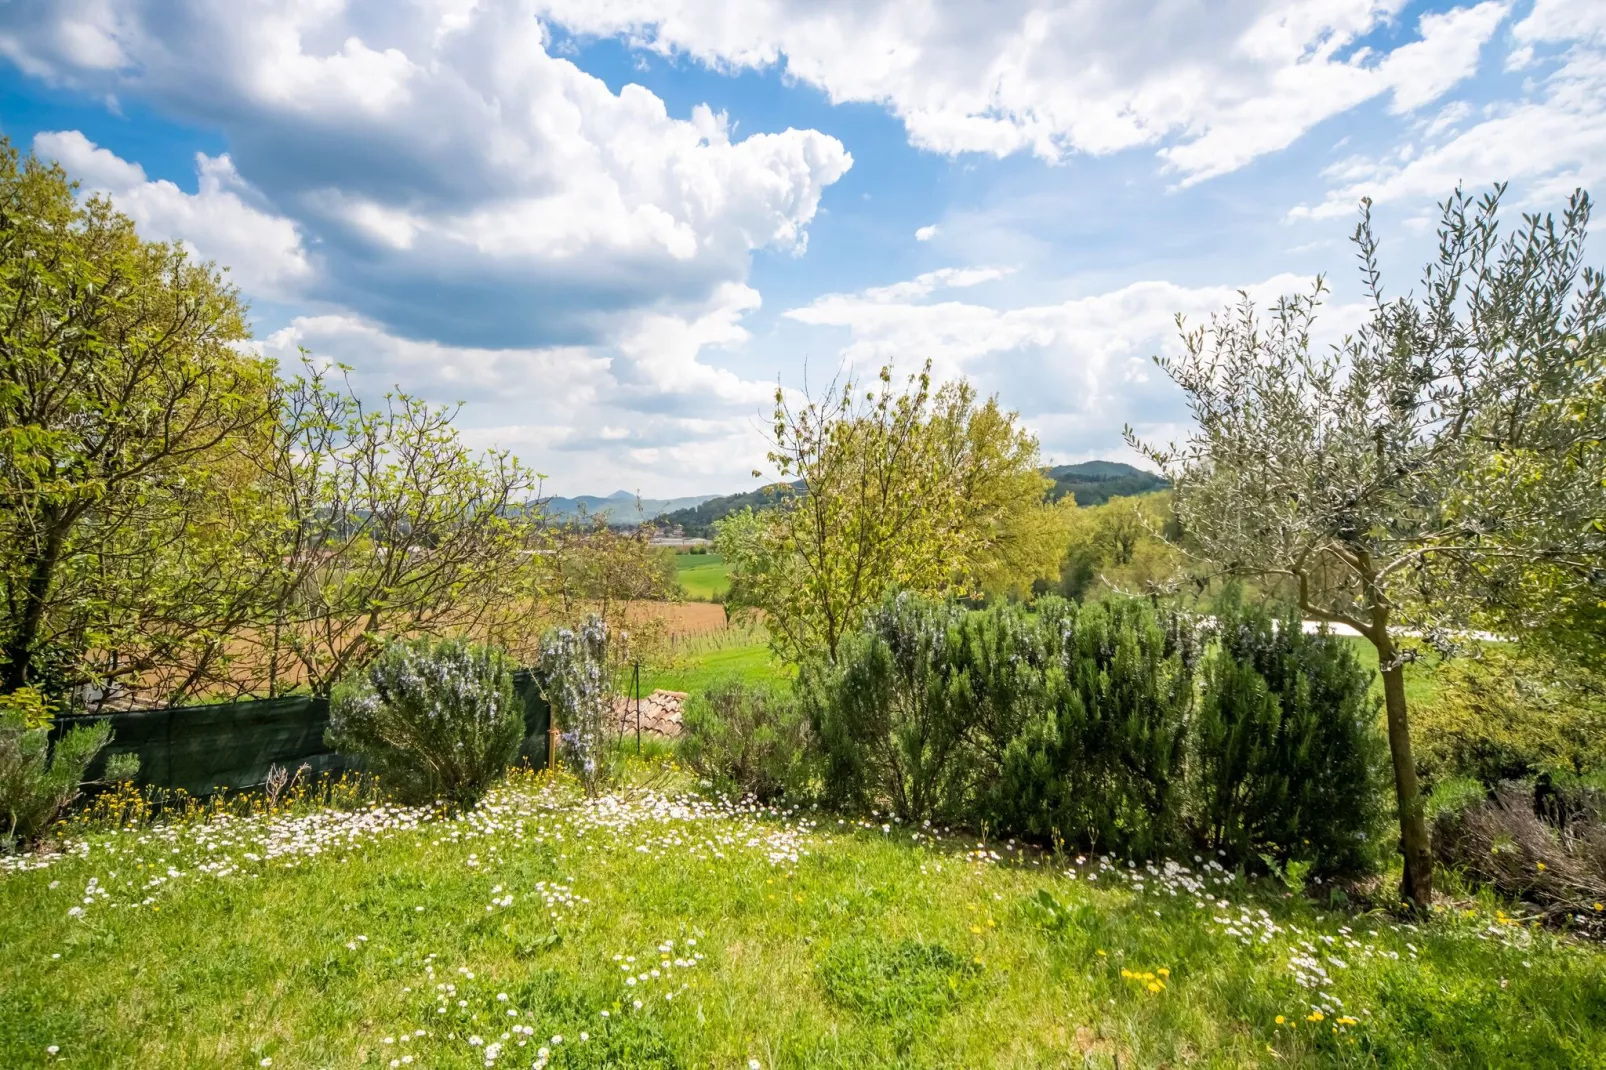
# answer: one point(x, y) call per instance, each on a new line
point(890, 715)
point(1286, 755)
point(1095, 756)
point(434, 719)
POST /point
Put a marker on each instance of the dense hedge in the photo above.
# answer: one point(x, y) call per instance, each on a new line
point(1287, 758)
point(1111, 725)
point(1091, 751)
point(891, 715)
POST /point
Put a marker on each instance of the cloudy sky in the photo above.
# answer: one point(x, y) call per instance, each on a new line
point(608, 227)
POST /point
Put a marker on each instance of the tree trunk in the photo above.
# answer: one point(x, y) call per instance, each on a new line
point(1417, 883)
point(19, 647)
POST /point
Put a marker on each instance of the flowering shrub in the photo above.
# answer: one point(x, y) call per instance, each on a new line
point(435, 720)
point(753, 738)
point(578, 687)
point(35, 784)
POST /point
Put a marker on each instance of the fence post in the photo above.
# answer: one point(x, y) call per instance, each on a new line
point(638, 707)
point(552, 742)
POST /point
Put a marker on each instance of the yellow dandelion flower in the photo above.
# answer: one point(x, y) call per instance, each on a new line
point(1163, 972)
point(1100, 952)
point(976, 929)
point(1155, 986)
point(1541, 866)
point(1315, 1016)
point(1281, 1019)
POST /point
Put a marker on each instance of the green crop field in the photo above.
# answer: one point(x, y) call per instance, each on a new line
point(697, 661)
point(702, 577)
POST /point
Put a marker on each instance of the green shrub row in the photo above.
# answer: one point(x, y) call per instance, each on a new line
point(1111, 726)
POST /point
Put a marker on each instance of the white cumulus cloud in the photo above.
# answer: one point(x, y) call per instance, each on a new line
point(1077, 369)
point(1550, 140)
point(1213, 84)
point(458, 179)
point(221, 221)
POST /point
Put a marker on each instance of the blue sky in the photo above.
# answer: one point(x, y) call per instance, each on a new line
point(610, 227)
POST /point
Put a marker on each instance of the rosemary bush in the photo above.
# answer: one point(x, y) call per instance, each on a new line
point(435, 719)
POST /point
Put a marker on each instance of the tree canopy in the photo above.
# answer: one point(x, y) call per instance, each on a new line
point(909, 488)
point(1373, 476)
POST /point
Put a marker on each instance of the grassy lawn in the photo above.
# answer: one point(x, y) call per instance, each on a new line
point(702, 576)
point(661, 930)
point(1420, 686)
point(700, 660)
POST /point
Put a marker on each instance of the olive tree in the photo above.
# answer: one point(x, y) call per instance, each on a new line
point(1351, 472)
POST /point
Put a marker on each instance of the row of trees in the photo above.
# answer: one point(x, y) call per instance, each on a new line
point(177, 518)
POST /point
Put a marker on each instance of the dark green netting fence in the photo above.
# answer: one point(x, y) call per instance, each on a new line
point(232, 745)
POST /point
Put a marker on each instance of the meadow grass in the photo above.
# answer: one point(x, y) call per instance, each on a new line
point(1420, 684)
point(658, 928)
point(702, 577)
point(741, 650)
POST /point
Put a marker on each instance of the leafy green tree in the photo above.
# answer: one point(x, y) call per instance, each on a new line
point(903, 490)
point(121, 390)
point(1345, 474)
point(387, 524)
point(1512, 713)
point(1121, 545)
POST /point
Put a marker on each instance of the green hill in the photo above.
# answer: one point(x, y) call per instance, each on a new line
point(698, 520)
point(618, 508)
point(1091, 482)
point(1096, 482)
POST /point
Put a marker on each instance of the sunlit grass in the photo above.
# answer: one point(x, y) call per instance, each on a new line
point(694, 662)
point(702, 577)
point(818, 942)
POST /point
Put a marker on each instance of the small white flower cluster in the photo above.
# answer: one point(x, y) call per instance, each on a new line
point(661, 969)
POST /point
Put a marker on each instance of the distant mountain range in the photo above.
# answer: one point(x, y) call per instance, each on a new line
point(621, 507)
point(1090, 482)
